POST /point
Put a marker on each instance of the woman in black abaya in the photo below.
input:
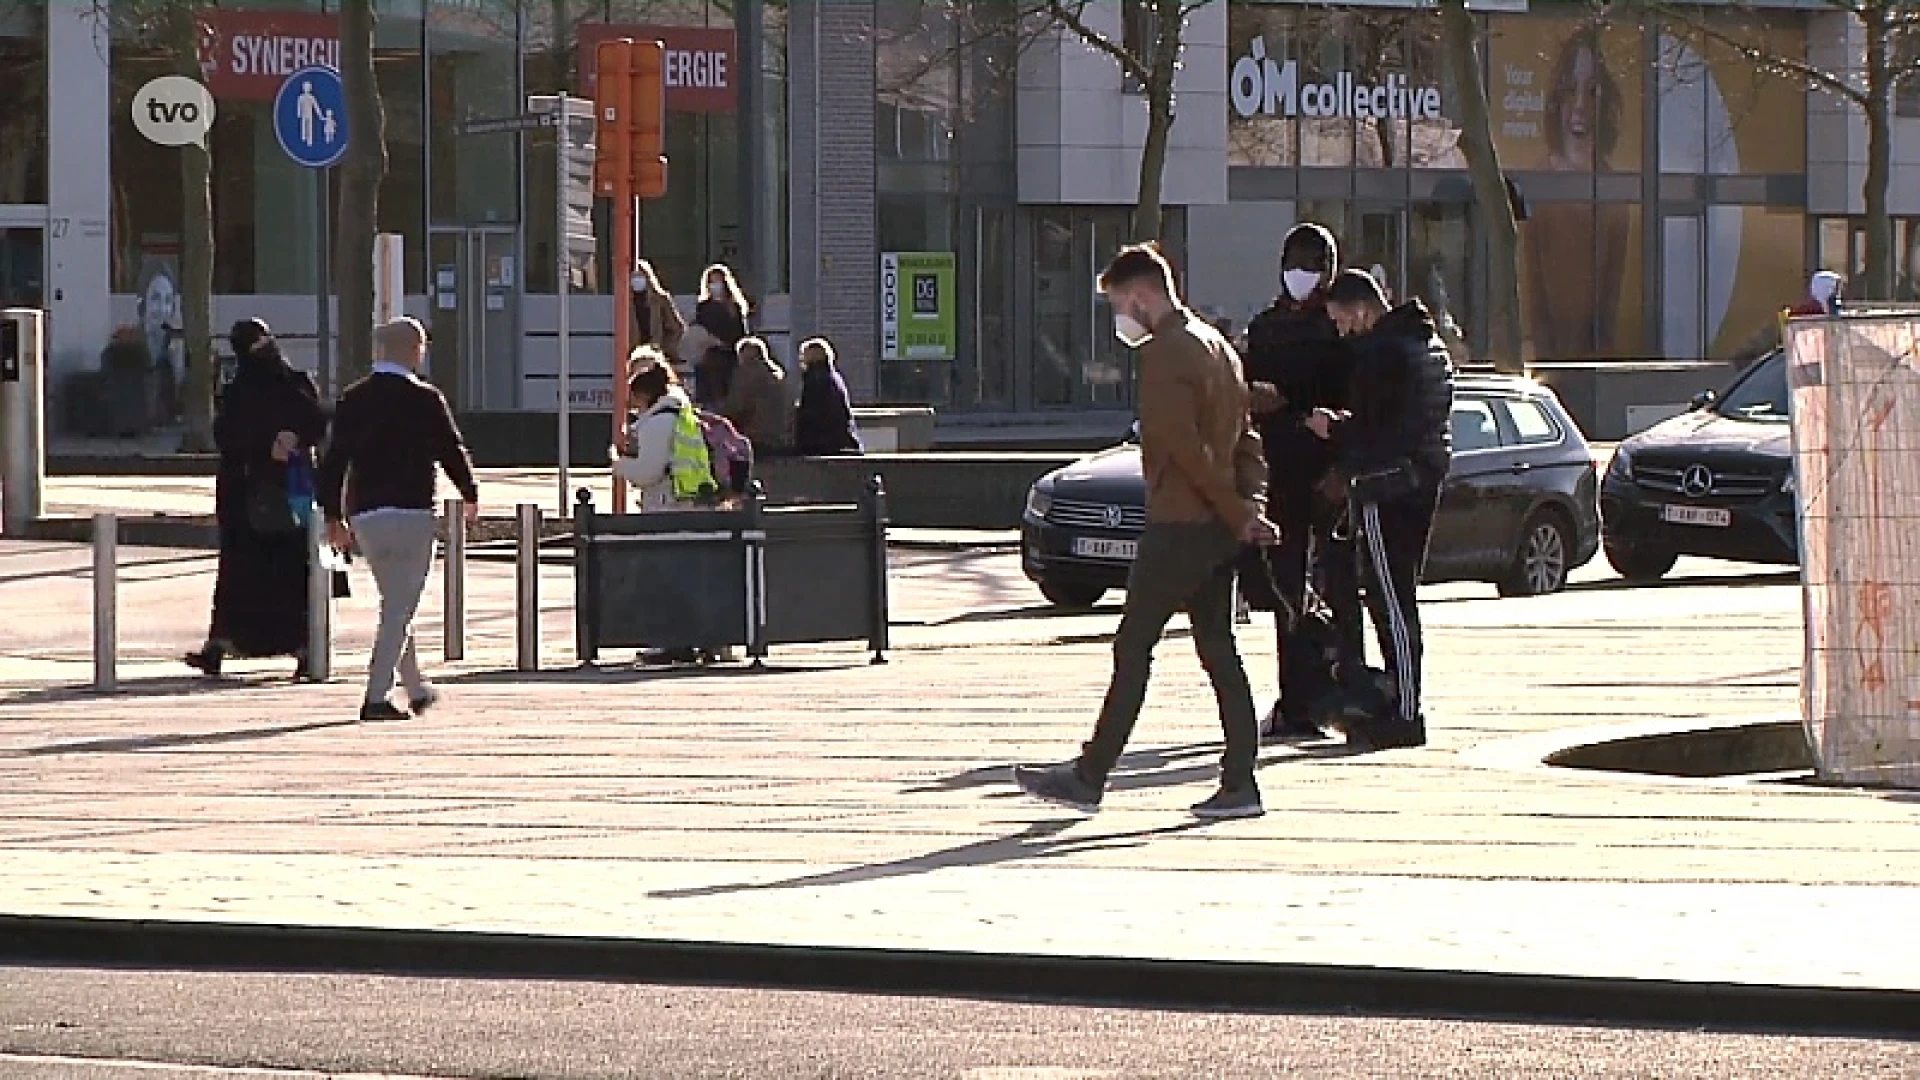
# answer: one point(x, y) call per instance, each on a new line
point(268, 424)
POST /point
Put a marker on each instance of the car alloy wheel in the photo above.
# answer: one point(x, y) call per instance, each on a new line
point(1540, 566)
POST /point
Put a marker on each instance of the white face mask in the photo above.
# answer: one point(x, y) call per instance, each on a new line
point(1129, 330)
point(639, 283)
point(1300, 283)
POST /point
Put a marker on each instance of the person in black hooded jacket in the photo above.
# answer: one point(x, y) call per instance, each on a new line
point(1296, 363)
point(1392, 447)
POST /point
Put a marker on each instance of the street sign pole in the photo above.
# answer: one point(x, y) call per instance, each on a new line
point(323, 283)
point(563, 149)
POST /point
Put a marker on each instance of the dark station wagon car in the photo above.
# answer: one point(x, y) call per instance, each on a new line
point(1714, 482)
point(1520, 508)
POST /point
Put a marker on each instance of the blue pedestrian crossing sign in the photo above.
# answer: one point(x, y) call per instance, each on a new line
point(310, 117)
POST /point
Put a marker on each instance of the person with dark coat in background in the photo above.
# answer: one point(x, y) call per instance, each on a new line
point(268, 423)
point(1296, 363)
point(1392, 449)
point(823, 425)
point(722, 312)
point(760, 400)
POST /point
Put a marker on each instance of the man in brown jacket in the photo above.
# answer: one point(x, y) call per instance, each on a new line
point(1206, 482)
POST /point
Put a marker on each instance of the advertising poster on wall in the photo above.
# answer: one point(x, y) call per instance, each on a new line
point(1565, 98)
point(917, 303)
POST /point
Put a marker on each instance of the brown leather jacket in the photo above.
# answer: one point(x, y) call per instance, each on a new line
point(760, 403)
point(656, 321)
point(1198, 448)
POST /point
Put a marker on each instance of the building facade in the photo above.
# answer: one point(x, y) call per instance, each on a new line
point(936, 198)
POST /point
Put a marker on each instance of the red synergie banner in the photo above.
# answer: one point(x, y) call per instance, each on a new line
point(701, 75)
point(246, 55)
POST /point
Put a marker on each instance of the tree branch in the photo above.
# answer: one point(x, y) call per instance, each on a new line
point(1071, 19)
point(1801, 70)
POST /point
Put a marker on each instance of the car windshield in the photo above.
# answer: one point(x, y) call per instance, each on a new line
point(1761, 396)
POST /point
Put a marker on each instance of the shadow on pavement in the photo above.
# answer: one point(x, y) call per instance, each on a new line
point(1143, 769)
point(165, 686)
point(1031, 611)
point(135, 744)
point(606, 675)
point(1036, 841)
point(1729, 581)
point(86, 571)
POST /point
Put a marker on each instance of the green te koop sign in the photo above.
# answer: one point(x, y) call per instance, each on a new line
point(917, 304)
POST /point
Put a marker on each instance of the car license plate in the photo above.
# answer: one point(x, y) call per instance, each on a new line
point(1088, 547)
point(1697, 515)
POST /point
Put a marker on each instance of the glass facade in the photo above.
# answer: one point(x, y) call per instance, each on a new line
point(23, 87)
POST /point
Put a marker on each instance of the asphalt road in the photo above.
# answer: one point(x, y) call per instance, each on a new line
point(93, 1025)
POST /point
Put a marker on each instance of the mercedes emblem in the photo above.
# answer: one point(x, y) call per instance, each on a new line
point(1696, 481)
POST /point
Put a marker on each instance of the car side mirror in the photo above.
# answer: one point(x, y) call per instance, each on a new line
point(1702, 400)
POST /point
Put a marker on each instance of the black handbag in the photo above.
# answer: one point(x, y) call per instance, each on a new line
point(269, 511)
point(1386, 483)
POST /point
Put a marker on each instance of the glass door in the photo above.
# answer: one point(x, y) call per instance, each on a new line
point(1074, 360)
point(474, 293)
point(23, 267)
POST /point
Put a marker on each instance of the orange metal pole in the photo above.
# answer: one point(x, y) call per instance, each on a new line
point(623, 258)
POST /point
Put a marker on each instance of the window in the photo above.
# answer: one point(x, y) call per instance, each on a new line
point(1531, 422)
point(1474, 427)
point(1761, 396)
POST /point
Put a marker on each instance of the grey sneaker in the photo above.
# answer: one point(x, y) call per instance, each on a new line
point(1058, 784)
point(427, 700)
point(1230, 803)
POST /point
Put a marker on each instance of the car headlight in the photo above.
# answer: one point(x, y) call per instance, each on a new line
point(1621, 467)
point(1039, 501)
point(1787, 485)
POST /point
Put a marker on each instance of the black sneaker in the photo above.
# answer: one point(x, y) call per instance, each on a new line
point(1228, 804)
point(374, 712)
point(1278, 727)
point(1388, 735)
point(419, 706)
point(1058, 784)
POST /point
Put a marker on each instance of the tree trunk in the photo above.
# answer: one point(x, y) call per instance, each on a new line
point(1495, 210)
point(196, 254)
point(362, 170)
point(1878, 272)
point(1148, 221)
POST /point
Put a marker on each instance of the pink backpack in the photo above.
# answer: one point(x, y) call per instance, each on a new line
point(730, 452)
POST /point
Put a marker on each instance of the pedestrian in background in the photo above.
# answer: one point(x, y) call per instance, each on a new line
point(268, 422)
point(823, 423)
point(1295, 364)
point(760, 400)
point(1392, 449)
point(656, 318)
point(722, 312)
point(1205, 484)
point(390, 431)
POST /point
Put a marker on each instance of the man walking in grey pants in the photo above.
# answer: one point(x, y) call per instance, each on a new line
point(1206, 481)
point(389, 431)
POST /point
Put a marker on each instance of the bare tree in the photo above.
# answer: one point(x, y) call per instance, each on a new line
point(1459, 35)
point(1888, 60)
point(362, 170)
point(1148, 58)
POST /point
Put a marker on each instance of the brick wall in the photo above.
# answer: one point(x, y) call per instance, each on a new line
point(835, 259)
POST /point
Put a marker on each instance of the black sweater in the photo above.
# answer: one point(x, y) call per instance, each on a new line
point(1294, 348)
point(388, 433)
point(1402, 399)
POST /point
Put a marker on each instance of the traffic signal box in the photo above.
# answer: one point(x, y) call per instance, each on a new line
point(631, 103)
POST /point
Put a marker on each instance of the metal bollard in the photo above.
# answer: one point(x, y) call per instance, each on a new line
point(319, 666)
point(453, 625)
point(23, 436)
point(526, 563)
point(106, 607)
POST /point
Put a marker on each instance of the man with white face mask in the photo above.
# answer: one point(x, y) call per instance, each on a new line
point(1205, 486)
point(1296, 363)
